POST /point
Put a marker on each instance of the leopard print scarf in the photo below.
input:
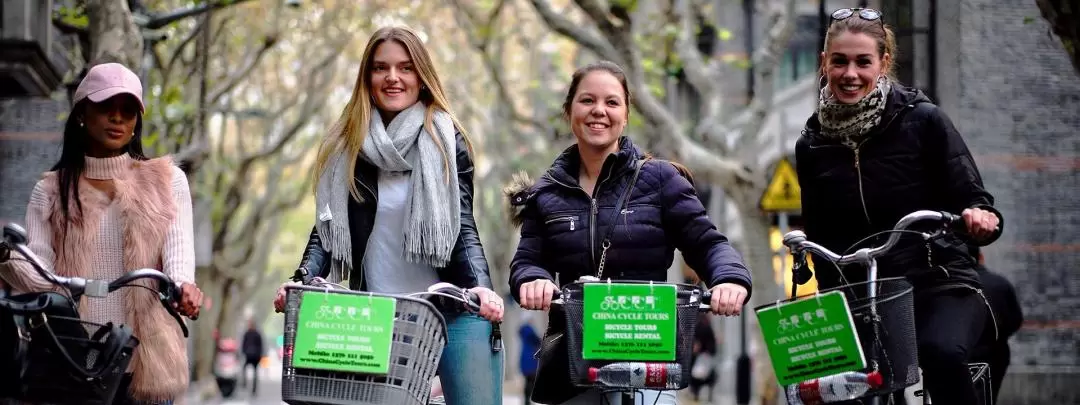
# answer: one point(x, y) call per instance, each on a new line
point(850, 122)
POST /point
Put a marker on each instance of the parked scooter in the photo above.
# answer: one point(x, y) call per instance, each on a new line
point(227, 366)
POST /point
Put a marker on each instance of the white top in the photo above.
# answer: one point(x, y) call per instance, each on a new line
point(178, 254)
point(385, 268)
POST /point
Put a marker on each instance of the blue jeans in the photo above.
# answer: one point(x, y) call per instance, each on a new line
point(471, 373)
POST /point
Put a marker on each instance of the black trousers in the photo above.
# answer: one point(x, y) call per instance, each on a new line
point(949, 325)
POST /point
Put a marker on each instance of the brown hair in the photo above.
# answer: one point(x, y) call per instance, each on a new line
point(606, 66)
point(876, 29)
point(617, 71)
point(351, 128)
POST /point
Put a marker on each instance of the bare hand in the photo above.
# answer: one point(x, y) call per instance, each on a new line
point(727, 299)
point(279, 299)
point(491, 304)
point(536, 294)
point(191, 298)
point(981, 224)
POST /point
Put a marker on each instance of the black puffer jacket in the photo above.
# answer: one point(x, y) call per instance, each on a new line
point(468, 268)
point(913, 160)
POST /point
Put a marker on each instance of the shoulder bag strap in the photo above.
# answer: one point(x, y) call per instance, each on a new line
point(615, 216)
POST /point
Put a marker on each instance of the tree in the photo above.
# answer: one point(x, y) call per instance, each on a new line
point(1064, 19)
point(719, 153)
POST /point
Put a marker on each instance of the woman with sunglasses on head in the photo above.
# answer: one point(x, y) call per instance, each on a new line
point(394, 206)
point(875, 151)
point(106, 209)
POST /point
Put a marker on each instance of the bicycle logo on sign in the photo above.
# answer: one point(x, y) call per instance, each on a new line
point(338, 313)
point(626, 303)
point(797, 322)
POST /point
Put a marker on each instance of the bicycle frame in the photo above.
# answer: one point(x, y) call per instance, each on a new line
point(628, 396)
point(799, 245)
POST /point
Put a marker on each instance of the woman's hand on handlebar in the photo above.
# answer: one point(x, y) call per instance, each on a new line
point(727, 299)
point(191, 298)
point(981, 224)
point(491, 304)
point(536, 294)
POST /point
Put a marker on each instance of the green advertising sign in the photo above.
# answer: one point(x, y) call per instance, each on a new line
point(629, 322)
point(811, 337)
point(344, 332)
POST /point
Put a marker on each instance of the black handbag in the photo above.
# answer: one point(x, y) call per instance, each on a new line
point(47, 354)
point(553, 384)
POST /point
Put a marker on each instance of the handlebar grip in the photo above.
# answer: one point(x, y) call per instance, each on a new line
point(473, 297)
point(706, 301)
point(955, 222)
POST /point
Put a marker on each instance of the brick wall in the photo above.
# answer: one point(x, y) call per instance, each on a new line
point(1012, 92)
point(30, 133)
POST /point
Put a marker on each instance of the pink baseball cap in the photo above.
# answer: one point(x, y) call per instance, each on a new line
point(109, 79)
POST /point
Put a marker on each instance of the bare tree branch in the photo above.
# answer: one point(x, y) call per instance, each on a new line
point(570, 29)
point(250, 62)
point(781, 21)
point(482, 42)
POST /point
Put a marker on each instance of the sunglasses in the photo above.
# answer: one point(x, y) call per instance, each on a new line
point(867, 14)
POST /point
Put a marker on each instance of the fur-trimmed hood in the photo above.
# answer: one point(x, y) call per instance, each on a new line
point(517, 194)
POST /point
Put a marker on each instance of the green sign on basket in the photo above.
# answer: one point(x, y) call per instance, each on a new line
point(810, 338)
point(629, 322)
point(344, 332)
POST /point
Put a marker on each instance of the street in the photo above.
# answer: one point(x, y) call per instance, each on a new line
point(269, 391)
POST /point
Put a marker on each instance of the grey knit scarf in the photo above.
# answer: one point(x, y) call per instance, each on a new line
point(849, 122)
point(432, 215)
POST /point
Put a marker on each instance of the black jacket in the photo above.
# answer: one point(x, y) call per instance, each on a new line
point(913, 160)
point(468, 268)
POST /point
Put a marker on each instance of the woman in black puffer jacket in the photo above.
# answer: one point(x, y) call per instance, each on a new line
point(875, 151)
point(567, 214)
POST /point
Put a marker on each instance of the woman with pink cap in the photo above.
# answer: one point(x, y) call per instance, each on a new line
point(105, 209)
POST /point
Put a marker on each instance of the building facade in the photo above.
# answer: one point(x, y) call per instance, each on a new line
point(33, 99)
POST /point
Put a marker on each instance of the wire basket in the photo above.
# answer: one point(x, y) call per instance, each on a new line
point(686, 309)
point(417, 344)
point(892, 344)
point(49, 376)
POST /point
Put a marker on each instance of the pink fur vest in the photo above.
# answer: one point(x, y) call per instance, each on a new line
point(145, 197)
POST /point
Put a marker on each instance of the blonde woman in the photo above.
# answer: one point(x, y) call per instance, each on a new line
point(394, 206)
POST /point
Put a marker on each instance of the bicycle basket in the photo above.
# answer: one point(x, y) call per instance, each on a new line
point(419, 337)
point(573, 295)
point(51, 344)
point(893, 346)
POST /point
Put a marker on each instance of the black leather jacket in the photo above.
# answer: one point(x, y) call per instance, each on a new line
point(468, 268)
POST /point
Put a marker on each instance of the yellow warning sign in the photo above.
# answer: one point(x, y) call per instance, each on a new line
point(783, 194)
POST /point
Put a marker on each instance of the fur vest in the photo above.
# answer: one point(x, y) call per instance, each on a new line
point(145, 198)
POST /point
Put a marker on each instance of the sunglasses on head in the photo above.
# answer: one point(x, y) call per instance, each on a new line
point(867, 14)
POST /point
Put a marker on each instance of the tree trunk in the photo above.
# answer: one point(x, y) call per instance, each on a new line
point(1064, 19)
point(113, 34)
point(759, 256)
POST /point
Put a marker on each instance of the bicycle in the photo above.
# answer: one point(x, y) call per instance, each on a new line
point(391, 354)
point(70, 365)
point(591, 348)
point(884, 317)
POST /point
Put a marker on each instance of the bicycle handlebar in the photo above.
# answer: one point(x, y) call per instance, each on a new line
point(441, 289)
point(797, 242)
point(168, 291)
point(704, 296)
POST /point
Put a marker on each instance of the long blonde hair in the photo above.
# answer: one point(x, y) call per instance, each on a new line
point(348, 134)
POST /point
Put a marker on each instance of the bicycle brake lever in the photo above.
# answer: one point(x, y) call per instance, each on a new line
point(800, 272)
point(175, 315)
